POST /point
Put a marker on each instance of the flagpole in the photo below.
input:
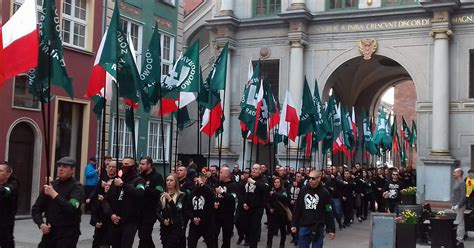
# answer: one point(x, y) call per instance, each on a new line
point(243, 153)
point(162, 138)
point(117, 125)
point(177, 137)
point(222, 128)
point(134, 145)
point(251, 152)
point(171, 145)
point(298, 153)
point(102, 133)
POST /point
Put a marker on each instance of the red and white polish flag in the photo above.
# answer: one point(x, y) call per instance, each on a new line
point(20, 41)
point(289, 119)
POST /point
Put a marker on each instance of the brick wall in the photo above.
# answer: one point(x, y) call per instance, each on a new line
point(405, 105)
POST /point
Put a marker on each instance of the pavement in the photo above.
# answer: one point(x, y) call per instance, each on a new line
point(357, 235)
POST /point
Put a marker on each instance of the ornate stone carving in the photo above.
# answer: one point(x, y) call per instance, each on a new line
point(440, 16)
point(129, 9)
point(367, 47)
point(264, 52)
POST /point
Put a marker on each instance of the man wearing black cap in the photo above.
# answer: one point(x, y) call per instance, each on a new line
point(60, 202)
point(8, 205)
point(123, 204)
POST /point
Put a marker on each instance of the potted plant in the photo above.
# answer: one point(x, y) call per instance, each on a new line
point(406, 229)
point(408, 196)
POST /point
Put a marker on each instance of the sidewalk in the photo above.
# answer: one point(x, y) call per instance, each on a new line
point(27, 235)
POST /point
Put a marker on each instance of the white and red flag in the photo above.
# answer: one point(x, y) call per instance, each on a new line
point(289, 119)
point(20, 41)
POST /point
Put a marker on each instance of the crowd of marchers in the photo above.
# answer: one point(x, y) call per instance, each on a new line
point(195, 202)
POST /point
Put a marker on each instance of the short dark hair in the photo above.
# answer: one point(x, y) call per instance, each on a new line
point(7, 166)
point(107, 157)
point(148, 159)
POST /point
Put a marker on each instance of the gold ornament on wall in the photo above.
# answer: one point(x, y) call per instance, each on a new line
point(369, 2)
point(367, 48)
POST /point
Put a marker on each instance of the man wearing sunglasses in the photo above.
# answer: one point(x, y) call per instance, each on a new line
point(312, 213)
point(8, 204)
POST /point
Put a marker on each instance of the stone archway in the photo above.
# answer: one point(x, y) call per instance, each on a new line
point(360, 84)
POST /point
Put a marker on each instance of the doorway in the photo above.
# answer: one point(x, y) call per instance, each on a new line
point(20, 156)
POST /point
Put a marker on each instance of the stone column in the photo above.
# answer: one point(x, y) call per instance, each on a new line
point(440, 111)
point(296, 76)
point(227, 8)
point(298, 4)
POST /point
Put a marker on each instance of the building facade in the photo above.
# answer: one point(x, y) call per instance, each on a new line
point(138, 18)
point(355, 49)
point(72, 126)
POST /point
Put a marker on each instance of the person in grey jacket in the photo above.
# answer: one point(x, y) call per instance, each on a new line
point(459, 204)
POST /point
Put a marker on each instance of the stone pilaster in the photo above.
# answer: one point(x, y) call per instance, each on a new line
point(227, 8)
point(298, 4)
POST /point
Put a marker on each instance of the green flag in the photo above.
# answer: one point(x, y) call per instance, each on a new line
point(248, 103)
point(405, 131)
point(99, 105)
point(118, 61)
point(413, 134)
point(219, 70)
point(150, 76)
point(368, 142)
point(51, 64)
point(307, 115)
point(182, 118)
point(322, 124)
point(382, 135)
point(329, 115)
point(346, 128)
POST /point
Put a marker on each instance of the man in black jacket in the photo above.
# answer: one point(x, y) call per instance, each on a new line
point(225, 205)
point(60, 202)
point(153, 189)
point(123, 204)
point(313, 212)
point(199, 209)
point(255, 198)
point(8, 205)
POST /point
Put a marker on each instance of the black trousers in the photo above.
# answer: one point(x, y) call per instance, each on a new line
point(205, 230)
point(123, 234)
point(173, 236)
point(380, 203)
point(226, 223)
point(145, 228)
point(60, 237)
point(254, 226)
point(101, 236)
point(241, 223)
point(6, 236)
point(348, 208)
point(275, 223)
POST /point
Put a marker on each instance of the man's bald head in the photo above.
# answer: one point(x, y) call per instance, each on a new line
point(256, 170)
point(224, 174)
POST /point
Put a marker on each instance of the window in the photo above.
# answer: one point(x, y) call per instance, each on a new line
point(167, 53)
point(125, 144)
point(171, 2)
point(21, 95)
point(135, 30)
point(74, 22)
point(39, 6)
point(270, 70)
point(155, 140)
point(471, 73)
point(267, 7)
point(398, 2)
point(342, 4)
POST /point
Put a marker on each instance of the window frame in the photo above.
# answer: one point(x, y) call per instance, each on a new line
point(167, 128)
point(171, 52)
point(73, 20)
point(267, 9)
point(343, 5)
point(400, 3)
point(124, 133)
point(29, 94)
point(139, 47)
